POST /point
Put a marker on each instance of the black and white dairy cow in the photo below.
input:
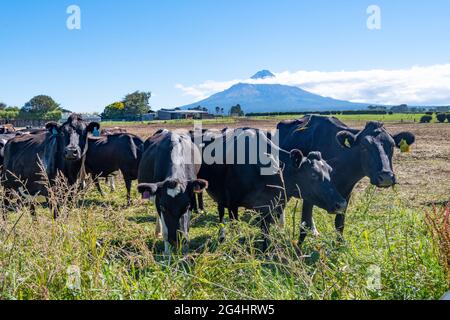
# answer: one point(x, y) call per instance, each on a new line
point(61, 148)
point(353, 154)
point(168, 175)
point(115, 152)
point(246, 169)
point(4, 138)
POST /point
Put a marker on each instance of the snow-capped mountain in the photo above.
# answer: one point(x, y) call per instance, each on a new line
point(272, 98)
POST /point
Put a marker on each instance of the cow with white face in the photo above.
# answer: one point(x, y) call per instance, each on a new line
point(168, 175)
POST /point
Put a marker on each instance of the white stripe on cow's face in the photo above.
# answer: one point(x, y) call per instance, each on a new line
point(174, 192)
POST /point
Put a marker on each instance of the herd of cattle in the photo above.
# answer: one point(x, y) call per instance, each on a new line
point(318, 159)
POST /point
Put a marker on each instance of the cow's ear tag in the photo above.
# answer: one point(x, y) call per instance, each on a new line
point(404, 146)
point(55, 132)
point(347, 143)
point(96, 133)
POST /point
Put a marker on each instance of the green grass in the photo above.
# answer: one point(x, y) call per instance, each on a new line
point(224, 120)
point(398, 117)
point(118, 257)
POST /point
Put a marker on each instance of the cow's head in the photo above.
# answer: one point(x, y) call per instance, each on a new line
point(313, 177)
point(74, 133)
point(376, 149)
point(173, 202)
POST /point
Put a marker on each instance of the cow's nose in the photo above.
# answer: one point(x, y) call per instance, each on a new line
point(71, 153)
point(340, 207)
point(386, 180)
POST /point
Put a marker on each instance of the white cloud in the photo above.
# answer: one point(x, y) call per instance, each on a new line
point(416, 85)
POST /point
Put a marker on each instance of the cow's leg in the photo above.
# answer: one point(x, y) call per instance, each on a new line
point(339, 223)
point(54, 209)
point(234, 213)
point(201, 204)
point(33, 211)
point(194, 206)
point(128, 183)
point(280, 216)
point(99, 187)
point(222, 233)
point(112, 183)
point(307, 224)
point(266, 221)
point(158, 229)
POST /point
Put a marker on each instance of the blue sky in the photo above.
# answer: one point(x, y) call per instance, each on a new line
point(169, 47)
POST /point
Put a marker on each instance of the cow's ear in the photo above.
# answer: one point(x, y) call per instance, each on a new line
point(93, 127)
point(346, 139)
point(148, 190)
point(199, 185)
point(53, 128)
point(404, 140)
point(297, 158)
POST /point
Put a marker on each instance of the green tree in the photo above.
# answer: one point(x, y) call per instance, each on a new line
point(137, 103)
point(9, 113)
point(41, 107)
point(41, 104)
point(237, 111)
point(132, 107)
point(2, 106)
point(114, 111)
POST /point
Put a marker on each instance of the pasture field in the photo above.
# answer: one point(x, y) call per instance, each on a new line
point(226, 121)
point(101, 249)
point(397, 117)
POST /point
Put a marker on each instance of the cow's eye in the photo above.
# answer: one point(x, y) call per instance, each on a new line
point(315, 176)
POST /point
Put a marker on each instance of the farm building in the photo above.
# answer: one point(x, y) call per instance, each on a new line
point(178, 114)
point(149, 116)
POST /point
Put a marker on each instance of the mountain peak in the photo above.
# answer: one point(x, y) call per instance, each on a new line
point(263, 74)
point(272, 98)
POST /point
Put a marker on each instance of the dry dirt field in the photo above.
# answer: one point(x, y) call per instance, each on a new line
point(424, 174)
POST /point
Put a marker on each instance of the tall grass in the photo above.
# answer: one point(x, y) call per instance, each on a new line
point(438, 220)
point(101, 249)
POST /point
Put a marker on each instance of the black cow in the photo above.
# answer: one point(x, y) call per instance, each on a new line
point(168, 173)
point(110, 153)
point(245, 169)
point(4, 138)
point(353, 154)
point(62, 148)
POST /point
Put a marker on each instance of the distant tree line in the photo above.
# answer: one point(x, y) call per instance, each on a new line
point(40, 107)
point(371, 110)
point(324, 113)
